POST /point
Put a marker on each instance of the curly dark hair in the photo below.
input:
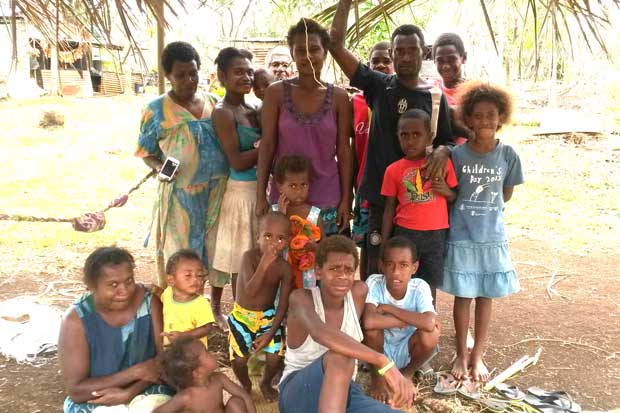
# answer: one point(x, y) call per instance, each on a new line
point(336, 243)
point(178, 52)
point(399, 242)
point(102, 257)
point(449, 39)
point(294, 164)
point(228, 54)
point(476, 91)
point(184, 254)
point(313, 27)
point(178, 361)
point(409, 30)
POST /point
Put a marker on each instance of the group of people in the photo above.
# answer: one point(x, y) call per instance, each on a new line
point(263, 198)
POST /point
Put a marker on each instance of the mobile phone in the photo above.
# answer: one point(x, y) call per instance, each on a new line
point(169, 168)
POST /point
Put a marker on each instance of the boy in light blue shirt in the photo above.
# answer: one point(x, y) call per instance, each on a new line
point(399, 317)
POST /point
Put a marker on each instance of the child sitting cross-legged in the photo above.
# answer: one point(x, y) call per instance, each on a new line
point(187, 313)
point(399, 317)
point(324, 342)
point(254, 322)
point(190, 369)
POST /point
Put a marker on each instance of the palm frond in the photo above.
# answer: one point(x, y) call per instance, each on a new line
point(569, 12)
point(85, 20)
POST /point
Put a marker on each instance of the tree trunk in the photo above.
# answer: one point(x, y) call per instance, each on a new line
point(54, 73)
point(160, 46)
point(15, 58)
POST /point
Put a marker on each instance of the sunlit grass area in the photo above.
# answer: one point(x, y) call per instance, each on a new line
point(570, 197)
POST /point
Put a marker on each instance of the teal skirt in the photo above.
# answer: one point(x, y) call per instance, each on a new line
point(478, 269)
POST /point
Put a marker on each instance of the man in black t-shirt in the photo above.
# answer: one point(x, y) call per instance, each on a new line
point(388, 96)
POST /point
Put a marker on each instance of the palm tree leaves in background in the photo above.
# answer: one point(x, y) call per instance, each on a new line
point(94, 19)
point(97, 18)
point(566, 17)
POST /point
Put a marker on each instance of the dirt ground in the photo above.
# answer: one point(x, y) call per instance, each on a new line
point(563, 223)
point(579, 331)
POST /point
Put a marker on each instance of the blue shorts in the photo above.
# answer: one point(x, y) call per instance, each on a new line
point(300, 392)
point(398, 351)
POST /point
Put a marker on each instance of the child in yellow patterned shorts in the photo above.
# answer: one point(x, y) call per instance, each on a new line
point(187, 313)
point(254, 323)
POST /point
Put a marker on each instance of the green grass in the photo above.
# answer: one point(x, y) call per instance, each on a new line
point(65, 172)
point(570, 197)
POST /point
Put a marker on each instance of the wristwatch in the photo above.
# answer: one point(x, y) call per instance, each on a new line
point(375, 238)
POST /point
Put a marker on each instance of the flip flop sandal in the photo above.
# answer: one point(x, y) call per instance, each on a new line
point(558, 398)
point(492, 404)
point(426, 370)
point(446, 384)
point(470, 389)
point(542, 405)
point(510, 391)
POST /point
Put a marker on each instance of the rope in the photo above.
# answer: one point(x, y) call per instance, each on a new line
point(89, 222)
point(308, 54)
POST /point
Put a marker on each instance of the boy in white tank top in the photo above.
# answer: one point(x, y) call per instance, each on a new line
point(324, 341)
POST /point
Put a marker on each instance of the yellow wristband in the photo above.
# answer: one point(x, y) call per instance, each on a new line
point(385, 368)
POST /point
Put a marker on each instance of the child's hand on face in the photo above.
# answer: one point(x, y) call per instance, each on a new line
point(283, 202)
point(269, 256)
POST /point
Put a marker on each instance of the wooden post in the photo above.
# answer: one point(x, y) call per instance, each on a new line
point(160, 46)
point(14, 57)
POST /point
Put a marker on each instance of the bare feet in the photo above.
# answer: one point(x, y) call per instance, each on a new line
point(222, 322)
point(479, 371)
point(379, 389)
point(269, 393)
point(459, 367)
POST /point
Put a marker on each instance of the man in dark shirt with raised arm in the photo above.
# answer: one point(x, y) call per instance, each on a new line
point(388, 96)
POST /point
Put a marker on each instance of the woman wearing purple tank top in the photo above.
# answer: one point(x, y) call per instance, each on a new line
point(305, 116)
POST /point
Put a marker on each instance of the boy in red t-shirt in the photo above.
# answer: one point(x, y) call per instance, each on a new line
point(418, 208)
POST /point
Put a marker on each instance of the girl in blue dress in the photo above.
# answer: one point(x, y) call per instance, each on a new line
point(478, 265)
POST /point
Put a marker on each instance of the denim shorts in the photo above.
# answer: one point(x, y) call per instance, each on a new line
point(300, 392)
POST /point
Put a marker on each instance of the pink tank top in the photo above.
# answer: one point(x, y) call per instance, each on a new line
point(313, 137)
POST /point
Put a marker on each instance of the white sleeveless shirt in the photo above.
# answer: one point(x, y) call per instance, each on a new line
point(298, 358)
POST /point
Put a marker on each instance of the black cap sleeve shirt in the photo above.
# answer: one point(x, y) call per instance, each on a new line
point(388, 99)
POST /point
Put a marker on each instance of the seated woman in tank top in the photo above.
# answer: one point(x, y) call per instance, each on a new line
point(324, 341)
point(109, 337)
point(311, 118)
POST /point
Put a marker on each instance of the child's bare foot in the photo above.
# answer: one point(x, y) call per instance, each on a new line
point(479, 371)
point(269, 393)
point(378, 389)
point(459, 367)
point(222, 322)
